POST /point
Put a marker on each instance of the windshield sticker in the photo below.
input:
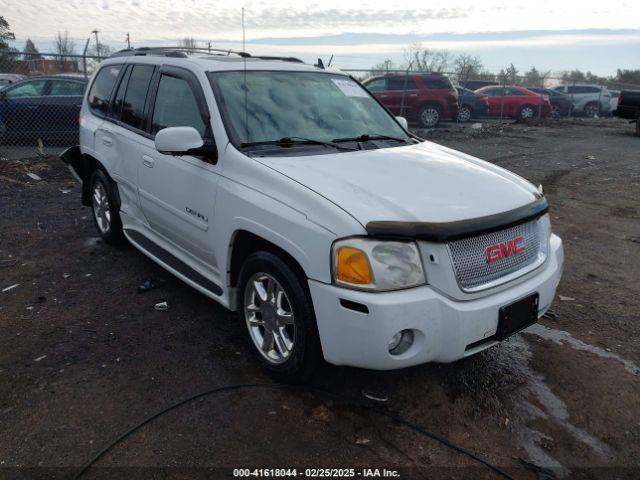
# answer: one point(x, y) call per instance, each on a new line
point(349, 88)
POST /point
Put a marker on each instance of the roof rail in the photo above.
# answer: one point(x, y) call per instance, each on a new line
point(174, 52)
point(182, 52)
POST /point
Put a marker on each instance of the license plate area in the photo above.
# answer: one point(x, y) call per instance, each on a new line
point(517, 315)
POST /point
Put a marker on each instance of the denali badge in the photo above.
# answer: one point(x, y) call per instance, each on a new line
point(501, 250)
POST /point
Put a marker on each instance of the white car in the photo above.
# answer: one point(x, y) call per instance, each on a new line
point(287, 193)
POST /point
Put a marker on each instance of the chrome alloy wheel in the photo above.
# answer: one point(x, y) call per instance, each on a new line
point(101, 211)
point(430, 117)
point(269, 317)
point(527, 112)
point(464, 114)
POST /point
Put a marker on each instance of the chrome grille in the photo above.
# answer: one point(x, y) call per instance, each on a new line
point(474, 272)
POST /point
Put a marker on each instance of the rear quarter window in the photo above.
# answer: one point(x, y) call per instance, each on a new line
point(102, 88)
point(436, 83)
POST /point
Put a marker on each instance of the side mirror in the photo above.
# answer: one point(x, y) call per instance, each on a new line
point(403, 122)
point(184, 141)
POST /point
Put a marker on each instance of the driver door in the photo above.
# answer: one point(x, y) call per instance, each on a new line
point(177, 193)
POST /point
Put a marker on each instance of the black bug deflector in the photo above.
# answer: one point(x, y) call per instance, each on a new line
point(446, 231)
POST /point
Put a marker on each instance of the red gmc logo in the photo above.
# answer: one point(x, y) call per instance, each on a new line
point(501, 250)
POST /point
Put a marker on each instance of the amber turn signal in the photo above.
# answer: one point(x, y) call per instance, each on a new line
point(352, 266)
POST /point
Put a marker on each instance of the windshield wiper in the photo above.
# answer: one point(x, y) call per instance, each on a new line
point(288, 141)
point(365, 137)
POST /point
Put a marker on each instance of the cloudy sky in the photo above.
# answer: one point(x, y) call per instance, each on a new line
point(557, 34)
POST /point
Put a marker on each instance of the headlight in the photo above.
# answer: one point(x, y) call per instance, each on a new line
point(369, 264)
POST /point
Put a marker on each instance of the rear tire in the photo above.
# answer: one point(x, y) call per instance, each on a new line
point(465, 114)
point(591, 110)
point(556, 112)
point(429, 116)
point(277, 311)
point(104, 207)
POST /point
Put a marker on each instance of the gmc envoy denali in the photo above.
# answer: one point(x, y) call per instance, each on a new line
point(288, 193)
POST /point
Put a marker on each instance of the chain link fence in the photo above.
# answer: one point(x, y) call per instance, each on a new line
point(40, 99)
point(41, 94)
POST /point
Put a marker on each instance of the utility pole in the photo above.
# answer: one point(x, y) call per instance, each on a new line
point(128, 42)
point(95, 32)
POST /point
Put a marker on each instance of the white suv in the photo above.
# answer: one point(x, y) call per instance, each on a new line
point(588, 100)
point(287, 193)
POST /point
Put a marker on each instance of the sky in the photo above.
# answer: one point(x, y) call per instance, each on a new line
point(552, 35)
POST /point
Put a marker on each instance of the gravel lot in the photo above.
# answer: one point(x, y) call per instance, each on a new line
point(84, 357)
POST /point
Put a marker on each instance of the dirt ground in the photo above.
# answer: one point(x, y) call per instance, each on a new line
point(84, 357)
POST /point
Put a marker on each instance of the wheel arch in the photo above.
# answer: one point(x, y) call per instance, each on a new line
point(243, 243)
point(90, 164)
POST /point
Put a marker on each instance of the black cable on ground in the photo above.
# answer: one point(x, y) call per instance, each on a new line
point(230, 388)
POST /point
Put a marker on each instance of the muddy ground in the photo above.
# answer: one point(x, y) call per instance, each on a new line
point(84, 357)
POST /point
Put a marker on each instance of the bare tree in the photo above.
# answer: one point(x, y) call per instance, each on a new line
point(467, 67)
point(427, 60)
point(188, 42)
point(64, 46)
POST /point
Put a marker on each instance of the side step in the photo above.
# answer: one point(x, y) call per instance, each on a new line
point(173, 262)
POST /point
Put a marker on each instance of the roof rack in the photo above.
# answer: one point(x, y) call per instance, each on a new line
point(181, 52)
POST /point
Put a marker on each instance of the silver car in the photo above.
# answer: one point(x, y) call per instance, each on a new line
point(589, 100)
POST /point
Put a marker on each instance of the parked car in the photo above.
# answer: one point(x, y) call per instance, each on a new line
point(588, 100)
point(477, 84)
point(516, 102)
point(629, 107)
point(286, 192)
point(471, 105)
point(44, 107)
point(561, 104)
point(423, 98)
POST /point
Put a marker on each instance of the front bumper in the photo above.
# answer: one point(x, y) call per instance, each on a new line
point(443, 328)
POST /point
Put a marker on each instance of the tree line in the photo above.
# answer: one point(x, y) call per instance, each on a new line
point(465, 67)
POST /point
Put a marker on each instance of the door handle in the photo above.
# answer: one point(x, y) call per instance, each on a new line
point(148, 161)
point(107, 141)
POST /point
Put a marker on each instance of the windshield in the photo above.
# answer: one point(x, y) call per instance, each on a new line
point(299, 105)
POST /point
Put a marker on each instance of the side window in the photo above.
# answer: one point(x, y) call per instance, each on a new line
point(436, 83)
point(377, 85)
point(401, 83)
point(493, 92)
point(60, 87)
point(100, 93)
point(134, 98)
point(513, 92)
point(118, 101)
point(34, 88)
point(176, 106)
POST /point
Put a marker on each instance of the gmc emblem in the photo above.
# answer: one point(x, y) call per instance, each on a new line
point(501, 250)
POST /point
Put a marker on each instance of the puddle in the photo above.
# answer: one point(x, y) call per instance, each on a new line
point(560, 337)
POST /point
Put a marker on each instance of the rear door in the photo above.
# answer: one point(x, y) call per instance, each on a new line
point(128, 130)
point(21, 108)
point(177, 193)
point(495, 98)
point(401, 96)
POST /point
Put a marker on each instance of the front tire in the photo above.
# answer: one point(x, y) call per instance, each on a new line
point(279, 317)
point(526, 113)
point(429, 116)
point(106, 215)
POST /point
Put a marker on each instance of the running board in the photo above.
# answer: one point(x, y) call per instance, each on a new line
point(173, 262)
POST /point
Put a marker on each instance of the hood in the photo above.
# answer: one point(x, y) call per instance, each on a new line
point(415, 183)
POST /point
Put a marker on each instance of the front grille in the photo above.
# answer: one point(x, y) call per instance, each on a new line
point(474, 272)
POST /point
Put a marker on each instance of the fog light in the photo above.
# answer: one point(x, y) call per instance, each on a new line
point(401, 342)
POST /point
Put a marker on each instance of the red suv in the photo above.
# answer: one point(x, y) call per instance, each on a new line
point(425, 98)
point(516, 102)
